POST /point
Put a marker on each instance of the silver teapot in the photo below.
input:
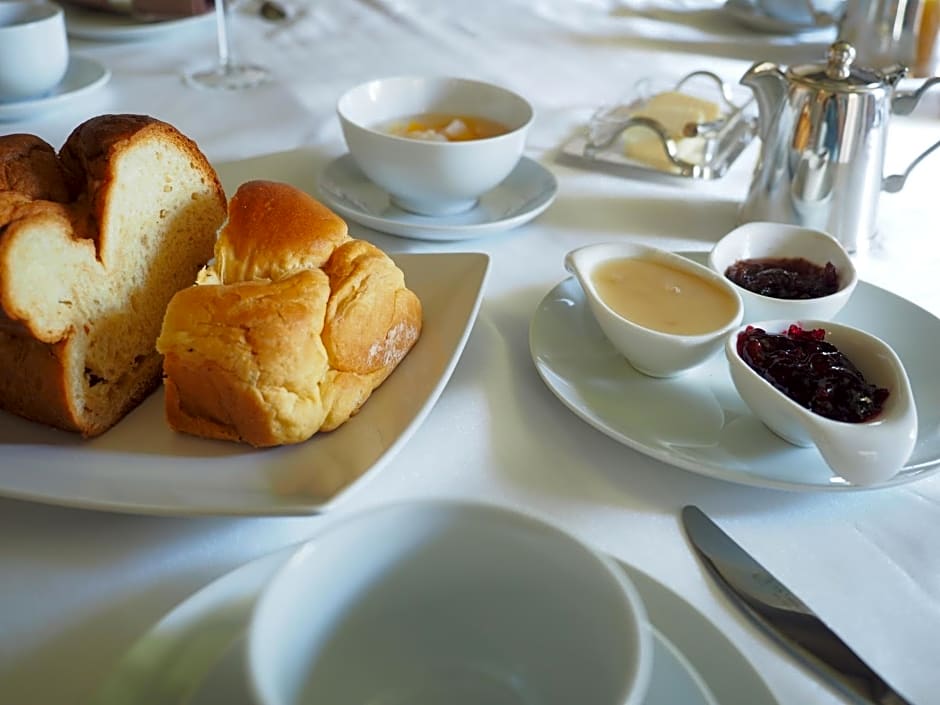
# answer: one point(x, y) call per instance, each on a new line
point(823, 130)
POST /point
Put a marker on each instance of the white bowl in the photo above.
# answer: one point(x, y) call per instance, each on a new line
point(34, 53)
point(760, 240)
point(862, 453)
point(651, 352)
point(440, 601)
point(425, 177)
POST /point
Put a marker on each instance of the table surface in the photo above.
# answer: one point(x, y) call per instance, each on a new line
point(77, 587)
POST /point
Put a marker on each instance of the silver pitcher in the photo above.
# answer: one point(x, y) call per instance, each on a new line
point(823, 130)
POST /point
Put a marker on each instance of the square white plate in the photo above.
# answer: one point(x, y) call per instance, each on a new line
point(142, 466)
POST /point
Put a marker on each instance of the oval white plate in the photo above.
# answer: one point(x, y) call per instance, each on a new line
point(116, 27)
point(523, 195)
point(82, 77)
point(697, 421)
point(194, 654)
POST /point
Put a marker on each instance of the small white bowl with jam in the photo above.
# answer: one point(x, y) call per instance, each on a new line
point(663, 312)
point(836, 387)
point(435, 144)
point(785, 271)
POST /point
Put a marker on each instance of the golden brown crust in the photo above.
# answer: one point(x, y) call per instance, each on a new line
point(273, 230)
point(298, 347)
point(29, 167)
point(38, 390)
point(371, 314)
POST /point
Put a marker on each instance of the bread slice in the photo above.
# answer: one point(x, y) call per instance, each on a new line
point(94, 242)
point(291, 328)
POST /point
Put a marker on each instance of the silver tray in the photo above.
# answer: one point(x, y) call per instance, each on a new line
point(703, 151)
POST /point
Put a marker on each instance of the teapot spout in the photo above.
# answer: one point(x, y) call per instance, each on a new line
point(770, 88)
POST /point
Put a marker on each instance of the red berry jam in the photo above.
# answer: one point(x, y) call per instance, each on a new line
point(785, 277)
point(812, 372)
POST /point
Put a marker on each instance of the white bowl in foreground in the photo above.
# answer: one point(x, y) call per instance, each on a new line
point(760, 240)
point(433, 177)
point(862, 453)
point(656, 352)
point(439, 601)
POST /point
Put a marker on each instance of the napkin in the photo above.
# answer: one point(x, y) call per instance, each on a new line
point(149, 8)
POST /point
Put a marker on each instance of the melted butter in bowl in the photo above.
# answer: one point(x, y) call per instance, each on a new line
point(664, 313)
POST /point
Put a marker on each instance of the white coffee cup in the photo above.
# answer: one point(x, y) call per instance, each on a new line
point(441, 601)
point(34, 53)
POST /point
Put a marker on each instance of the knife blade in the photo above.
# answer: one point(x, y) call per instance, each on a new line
point(782, 615)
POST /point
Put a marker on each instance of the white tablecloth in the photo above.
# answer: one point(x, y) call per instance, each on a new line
point(78, 587)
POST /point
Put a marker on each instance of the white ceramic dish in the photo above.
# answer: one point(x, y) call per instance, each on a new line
point(863, 453)
point(433, 177)
point(34, 51)
point(525, 193)
point(116, 27)
point(193, 655)
point(653, 352)
point(81, 78)
point(141, 466)
point(698, 422)
point(777, 240)
point(445, 600)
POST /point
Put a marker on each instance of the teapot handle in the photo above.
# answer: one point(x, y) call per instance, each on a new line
point(904, 102)
point(895, 182)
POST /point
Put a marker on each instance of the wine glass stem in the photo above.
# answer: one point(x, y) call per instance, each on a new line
point(221, 23)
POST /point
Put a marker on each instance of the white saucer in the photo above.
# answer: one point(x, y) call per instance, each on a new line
point(525, 193)
point(82, 77)
point(194, 654)
point(81, 23)
point(697, 421)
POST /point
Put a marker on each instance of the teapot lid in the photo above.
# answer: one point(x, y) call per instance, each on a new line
point(839, 74)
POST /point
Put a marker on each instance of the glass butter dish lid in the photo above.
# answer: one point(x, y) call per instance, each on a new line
point(693, 127)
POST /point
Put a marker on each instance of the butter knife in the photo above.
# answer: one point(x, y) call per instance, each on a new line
point(785, 617)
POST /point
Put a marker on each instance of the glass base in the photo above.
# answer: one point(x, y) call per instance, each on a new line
point(232, 77)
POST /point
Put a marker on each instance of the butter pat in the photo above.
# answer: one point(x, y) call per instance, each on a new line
point(672, 110)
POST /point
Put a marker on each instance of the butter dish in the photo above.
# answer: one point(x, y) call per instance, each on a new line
point(693, 127)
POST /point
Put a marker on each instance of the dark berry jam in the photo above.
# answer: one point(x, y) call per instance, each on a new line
point(785, 277)
point(812, 372)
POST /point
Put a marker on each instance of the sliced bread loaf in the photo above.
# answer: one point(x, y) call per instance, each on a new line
point(94, 242)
